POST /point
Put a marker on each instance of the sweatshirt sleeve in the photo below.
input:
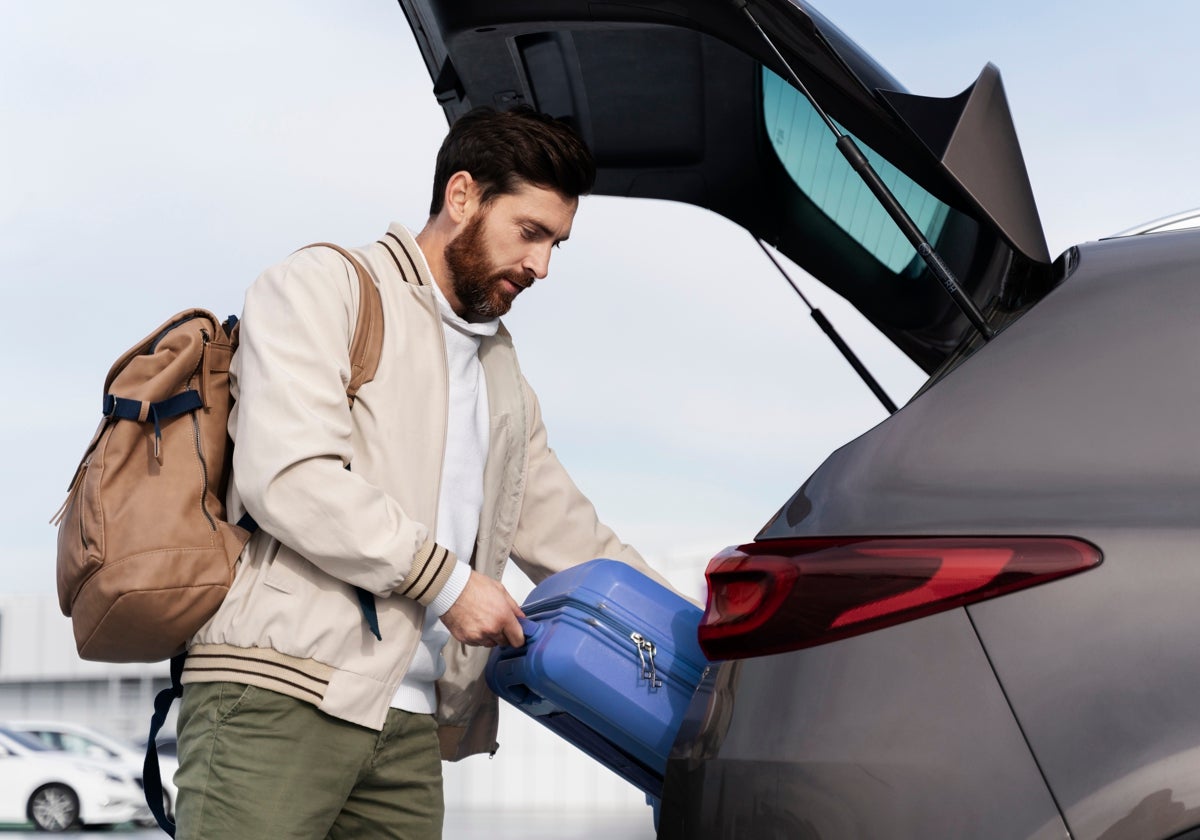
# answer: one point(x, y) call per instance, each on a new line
point(291, 425)
point(558, 527)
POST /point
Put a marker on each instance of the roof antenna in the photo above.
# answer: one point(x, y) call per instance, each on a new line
point(828, 329)
point(859, 163)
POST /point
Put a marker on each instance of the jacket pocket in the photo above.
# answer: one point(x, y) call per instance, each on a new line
point(282, 576)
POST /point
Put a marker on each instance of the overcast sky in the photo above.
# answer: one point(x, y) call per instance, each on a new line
point(159, 155)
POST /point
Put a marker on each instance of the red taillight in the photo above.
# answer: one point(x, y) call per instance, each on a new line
point(781, 595)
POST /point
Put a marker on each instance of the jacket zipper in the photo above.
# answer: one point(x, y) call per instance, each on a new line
point(437, 490)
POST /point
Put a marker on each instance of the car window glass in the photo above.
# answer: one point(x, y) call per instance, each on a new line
point(50, 739)
point(806, 149)
point(85, 746)
point(28, 741)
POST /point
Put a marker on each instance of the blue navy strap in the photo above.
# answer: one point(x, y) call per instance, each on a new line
point(151, 772)
point(139, 411)
point(367, 601)
point(123, 408)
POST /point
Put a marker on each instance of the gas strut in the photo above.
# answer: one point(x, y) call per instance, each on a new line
point(833, 336)
point(859, 163)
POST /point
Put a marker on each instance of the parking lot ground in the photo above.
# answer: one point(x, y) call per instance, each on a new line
point(473, 825)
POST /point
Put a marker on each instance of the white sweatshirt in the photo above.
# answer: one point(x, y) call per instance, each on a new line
point(460, 499)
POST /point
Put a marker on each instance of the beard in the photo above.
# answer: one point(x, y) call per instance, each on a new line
point(477, 284)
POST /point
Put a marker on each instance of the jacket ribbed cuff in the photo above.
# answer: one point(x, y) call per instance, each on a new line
point(459, 575)
point(431, 569)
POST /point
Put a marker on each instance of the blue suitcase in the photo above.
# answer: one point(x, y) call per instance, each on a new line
point(610, 663)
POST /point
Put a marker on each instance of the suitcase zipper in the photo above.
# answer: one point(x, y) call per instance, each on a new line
point(681, 669)
point(645, 649)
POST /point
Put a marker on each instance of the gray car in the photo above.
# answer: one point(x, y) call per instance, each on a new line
point(979, 619)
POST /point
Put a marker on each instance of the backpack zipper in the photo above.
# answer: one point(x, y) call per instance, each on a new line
point(198, 445)
point(72, 491)
point(75, 492)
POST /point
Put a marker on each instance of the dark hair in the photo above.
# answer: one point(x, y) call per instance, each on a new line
point(503, 149)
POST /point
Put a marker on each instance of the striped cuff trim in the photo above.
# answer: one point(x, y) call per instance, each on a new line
point(431, 569)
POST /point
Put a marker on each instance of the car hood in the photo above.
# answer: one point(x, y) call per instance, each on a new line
point(680, 100)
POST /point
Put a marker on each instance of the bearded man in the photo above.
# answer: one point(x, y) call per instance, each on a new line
point(347, 659)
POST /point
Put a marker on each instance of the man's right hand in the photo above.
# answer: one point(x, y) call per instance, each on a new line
point(485, 614)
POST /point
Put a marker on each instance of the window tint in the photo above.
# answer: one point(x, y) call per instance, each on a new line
point(806, 149)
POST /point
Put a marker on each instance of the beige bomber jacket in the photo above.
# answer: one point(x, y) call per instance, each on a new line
point(292, 622)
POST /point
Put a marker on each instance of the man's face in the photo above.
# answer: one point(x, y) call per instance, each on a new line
point(504, 246)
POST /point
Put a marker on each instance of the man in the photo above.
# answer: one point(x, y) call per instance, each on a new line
point(298, 718)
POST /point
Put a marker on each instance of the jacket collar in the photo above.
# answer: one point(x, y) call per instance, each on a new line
point(406, 253)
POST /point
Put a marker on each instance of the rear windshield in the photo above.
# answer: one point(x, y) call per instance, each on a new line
point(806, 149)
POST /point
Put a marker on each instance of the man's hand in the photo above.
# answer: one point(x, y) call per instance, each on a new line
point(485, 614)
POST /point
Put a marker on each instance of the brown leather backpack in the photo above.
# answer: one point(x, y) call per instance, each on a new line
point(145, 555)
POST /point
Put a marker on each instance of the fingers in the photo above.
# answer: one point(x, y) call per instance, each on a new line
point(485, 614)
point(513, 633)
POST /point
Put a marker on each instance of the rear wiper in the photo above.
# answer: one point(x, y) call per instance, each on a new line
point(859, 163)
point(833, 336)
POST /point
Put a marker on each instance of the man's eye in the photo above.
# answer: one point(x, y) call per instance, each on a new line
point(529, 234)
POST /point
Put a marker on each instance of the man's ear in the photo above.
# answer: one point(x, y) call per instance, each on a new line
point(462, 196)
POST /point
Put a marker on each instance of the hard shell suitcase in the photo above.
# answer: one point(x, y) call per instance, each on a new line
point(610, 663)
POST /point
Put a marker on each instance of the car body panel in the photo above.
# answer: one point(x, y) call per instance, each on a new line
point(1026, 436)
point(1062, 426)
point(1111, 712)
point(896, 734)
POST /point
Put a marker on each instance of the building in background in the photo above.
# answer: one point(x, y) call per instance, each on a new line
point(42, 677)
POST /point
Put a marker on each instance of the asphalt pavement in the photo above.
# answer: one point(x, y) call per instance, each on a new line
point(478, 825)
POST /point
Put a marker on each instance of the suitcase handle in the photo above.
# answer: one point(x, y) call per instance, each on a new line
point(505, 679)
point(530, 628)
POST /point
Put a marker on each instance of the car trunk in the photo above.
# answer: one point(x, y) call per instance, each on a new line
point(686, 101)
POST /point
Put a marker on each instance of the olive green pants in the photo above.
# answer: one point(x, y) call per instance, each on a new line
point(259, 765)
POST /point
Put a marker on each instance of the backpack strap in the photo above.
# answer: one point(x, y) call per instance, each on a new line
point(151, 771)
point(367, 345)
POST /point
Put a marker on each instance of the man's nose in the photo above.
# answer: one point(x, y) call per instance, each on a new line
point(537, 262)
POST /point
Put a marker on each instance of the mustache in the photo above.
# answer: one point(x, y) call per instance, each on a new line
point(520, 279)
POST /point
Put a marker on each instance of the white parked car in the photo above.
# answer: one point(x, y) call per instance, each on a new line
point(57, 791)
point(84, 741)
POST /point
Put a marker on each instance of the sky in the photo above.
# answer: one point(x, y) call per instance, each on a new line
point(157, 156)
